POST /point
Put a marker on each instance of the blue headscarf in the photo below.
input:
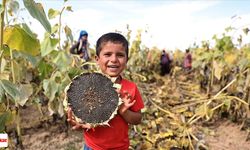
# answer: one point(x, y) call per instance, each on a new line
point(82, 33)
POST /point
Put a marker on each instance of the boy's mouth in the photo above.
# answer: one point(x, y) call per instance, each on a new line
point(113, 66)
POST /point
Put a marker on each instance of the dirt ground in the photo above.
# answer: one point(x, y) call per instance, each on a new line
point(228, 136)
point(54, 134)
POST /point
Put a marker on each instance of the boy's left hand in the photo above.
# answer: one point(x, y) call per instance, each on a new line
point(126, 98)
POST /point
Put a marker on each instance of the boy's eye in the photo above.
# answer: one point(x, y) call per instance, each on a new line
point(120, 55)
point(107, 54)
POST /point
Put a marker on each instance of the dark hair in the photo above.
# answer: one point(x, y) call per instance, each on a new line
point(111, 37)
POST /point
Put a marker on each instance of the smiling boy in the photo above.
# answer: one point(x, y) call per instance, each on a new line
point(111, 57)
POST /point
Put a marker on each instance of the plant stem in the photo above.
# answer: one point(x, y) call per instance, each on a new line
point(1, 32)
point(60, 24)
point(18, 118)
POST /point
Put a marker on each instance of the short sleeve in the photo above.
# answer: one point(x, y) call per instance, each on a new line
point(138, 101)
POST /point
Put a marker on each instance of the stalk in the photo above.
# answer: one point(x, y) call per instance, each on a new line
point(18, 118)
point(1, 32)
point(60, 24)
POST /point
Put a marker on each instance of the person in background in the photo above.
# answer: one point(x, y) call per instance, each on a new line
point(165, 63)
point(187, 60)
point(171, 56)
point(80, 47)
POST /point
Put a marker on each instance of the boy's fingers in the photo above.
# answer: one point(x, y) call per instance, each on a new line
point(69, 112)
point(132, 103)
point(86, 126)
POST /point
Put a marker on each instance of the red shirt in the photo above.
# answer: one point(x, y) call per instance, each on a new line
point(115, 137)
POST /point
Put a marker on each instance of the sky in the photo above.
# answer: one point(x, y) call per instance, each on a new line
point(170, 24)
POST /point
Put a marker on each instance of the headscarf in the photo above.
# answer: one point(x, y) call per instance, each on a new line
point(82, 33)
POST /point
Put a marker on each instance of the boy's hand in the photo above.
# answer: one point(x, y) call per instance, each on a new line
point(75, 125)
point(126, 98)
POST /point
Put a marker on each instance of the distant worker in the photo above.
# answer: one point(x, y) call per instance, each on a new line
point(171, 56)
point(80, 47)
point(187, 60)
point(165, 63)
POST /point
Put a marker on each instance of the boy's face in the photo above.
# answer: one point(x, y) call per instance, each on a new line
point(112, 59)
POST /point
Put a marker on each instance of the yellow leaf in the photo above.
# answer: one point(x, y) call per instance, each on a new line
point(218, 68)
point(230, 58)
point(18, 39)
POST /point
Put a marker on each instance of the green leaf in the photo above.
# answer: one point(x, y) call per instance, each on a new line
point(36, 11)
point(62, 60)
point(64, 82)
point(74, 71)
point(17, 39)
point(44, 69)
point(34, 60)
point(3, 120)
point(27, 29)
point(50, 88)
point(1, 8)
point(53, 13)
point(1, 93)
point(48, 45)
point(10, 89)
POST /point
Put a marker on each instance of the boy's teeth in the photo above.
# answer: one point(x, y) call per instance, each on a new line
point(113, 66)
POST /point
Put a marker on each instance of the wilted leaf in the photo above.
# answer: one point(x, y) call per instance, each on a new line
point(227, 103)
point(26, 91)
point(17, 39)
point(68, 33)
point(69, 8)
point(60, 109)
point(5, 75)
point(52, 107)
point(246, 30)
point(36, 11)
point(230, 58)
point(53, 13)
point(218, 68)
point(13, 7)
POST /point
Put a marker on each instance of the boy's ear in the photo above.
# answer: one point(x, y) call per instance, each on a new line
point(96, 58)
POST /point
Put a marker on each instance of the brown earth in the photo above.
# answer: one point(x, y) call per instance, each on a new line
point(54, 134)
point(228, 136)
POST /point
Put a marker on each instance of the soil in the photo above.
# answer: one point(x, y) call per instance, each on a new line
point(228, 136)
point(44, 132)
point(38, 134)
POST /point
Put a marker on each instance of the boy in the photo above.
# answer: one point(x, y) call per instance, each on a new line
point(112, 56)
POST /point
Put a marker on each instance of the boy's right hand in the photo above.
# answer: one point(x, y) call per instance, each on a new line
point(75, 125)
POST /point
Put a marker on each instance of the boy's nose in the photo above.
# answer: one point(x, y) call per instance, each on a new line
point(113, 58)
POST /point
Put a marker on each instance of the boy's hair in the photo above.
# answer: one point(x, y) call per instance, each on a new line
point(111, 37)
